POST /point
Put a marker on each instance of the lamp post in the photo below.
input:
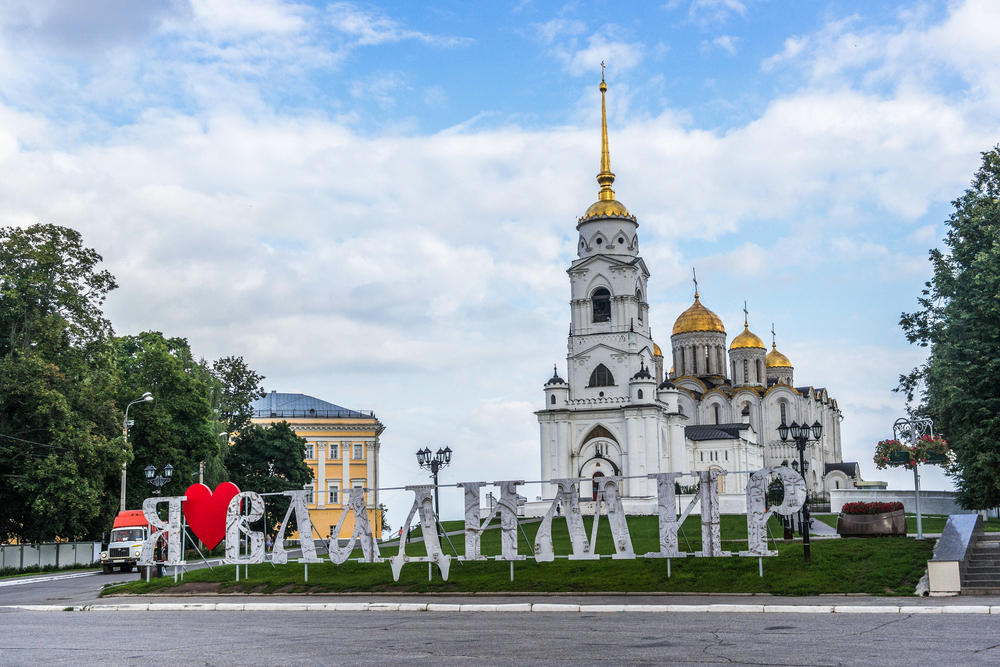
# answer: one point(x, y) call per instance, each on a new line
point(434, 461)
point(800, 434)
point(145, 398)
point(912, 429)
point(157, 480)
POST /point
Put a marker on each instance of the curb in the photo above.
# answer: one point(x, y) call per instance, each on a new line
point(525, 607)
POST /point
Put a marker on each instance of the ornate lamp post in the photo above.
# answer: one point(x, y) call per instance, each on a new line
point(800, 434)
point(145, 398)
point(434, 461)
point(912, 430)
point(157, 480)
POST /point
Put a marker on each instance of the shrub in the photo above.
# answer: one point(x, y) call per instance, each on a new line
point(870, 508)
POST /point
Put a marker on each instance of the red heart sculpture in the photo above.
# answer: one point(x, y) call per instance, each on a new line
point(205, 511)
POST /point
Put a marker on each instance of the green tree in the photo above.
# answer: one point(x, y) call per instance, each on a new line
point(239, 387)
point(959, 320)
point(178, 427)
point(269, 459)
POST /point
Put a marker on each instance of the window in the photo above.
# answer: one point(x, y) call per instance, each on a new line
point(552, 399)
point(784, 416)
point(601, 449)
point(358, 451)
point(702, 456)
point(727, 454)
point(599, 241)
point(310, 452)
point(601, 300)
point(717, 415)
point(638, 298)
point(760, 375)
point(746, 371)
point(601, 377)
point(334, 452)
point(309, 493)
point(706, 359)
point(334, 493)
point(639, 394)
point(621, 239)
point(694, 358)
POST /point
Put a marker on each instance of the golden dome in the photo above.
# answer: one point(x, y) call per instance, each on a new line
point(657, 352)
point(776, 359)
point(747, 339)
point(607, 208)
point(698, 318)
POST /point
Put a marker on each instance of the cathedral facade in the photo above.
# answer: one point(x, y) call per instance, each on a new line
point(618, 412)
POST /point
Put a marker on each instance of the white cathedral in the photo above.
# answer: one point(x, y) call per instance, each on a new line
point(616, 413)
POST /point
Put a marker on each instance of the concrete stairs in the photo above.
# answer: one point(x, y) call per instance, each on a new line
point(982, 577)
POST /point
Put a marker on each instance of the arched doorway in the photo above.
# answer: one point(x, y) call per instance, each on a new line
point(596, 475)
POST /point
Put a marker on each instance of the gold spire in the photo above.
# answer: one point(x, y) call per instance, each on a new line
point(605, 178)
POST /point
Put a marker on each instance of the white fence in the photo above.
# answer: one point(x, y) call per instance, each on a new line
point(931, 502)
point(62, 554)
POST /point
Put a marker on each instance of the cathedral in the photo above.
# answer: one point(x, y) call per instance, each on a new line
point(618, 412)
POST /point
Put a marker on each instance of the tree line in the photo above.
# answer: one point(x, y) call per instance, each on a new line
point(66, 379)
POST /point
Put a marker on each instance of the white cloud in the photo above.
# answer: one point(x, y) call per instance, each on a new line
point(727, 43)
point(619, 55)
point(716, 11)
point(369, 28)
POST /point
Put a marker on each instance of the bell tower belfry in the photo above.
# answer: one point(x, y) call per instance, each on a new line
point(609, 389)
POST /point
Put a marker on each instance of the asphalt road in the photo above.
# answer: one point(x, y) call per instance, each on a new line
point(233, 639)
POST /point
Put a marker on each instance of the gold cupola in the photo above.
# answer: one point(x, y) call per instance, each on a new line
point(747, 339)
point(776, 359)
point(698, 318)
point(606, 205)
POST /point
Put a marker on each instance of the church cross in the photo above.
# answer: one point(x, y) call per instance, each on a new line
point(774, 342)
point(694, 276)
point(746, 316)
point(602, 70)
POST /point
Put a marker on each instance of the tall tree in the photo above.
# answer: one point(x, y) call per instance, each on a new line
point(269, 459)
point(239, 388)
point(959, 319)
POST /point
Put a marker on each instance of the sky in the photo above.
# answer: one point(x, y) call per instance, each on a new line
point(375, 204)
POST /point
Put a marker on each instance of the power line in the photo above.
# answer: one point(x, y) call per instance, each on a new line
point(31, 442)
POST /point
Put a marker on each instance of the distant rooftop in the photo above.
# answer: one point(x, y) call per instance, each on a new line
point(302, 406)
point(698, 432)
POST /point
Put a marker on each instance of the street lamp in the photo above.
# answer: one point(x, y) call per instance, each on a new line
point(800, 434)
point(434, 461)
point(157, 480)
point(145, 398)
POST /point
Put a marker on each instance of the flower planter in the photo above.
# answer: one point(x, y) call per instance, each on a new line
point(899, 457)
point(868, 525)
point(936, 458)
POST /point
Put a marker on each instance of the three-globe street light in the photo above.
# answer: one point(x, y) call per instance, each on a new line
point(145, 398)
point(159, 480)
point(800, 434)
point(432, 461)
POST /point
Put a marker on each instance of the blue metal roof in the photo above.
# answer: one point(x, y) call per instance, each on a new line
point(300, 405)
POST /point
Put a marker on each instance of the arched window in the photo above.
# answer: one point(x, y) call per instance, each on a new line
point(638, 299)
point(694, 359)
point(553, 399)
point(717, 414)
point(601, 299)
point(760, 375)
point(639, 394)
point(601, 377)
point(708, 366)
point(746, 372)
point(784, 415)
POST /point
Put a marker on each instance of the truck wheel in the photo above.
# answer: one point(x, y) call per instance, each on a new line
point(108, 569)
point(127, 568)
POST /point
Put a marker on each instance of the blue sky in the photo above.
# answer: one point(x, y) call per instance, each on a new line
point(375, 203)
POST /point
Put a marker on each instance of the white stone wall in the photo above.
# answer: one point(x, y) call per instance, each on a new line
point(931, 502)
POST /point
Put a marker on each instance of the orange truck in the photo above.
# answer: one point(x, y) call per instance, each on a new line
point(127, 535)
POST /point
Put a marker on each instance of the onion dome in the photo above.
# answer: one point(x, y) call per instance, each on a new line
point(667, 384)
point(555, 379)
point(747, 339)
point(606, 205)
point(657, 352)
point(776, 359)
point(643, 374)
point(698, 318)
point(745, 411)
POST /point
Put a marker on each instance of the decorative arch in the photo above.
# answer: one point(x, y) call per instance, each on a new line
point(600, 300)
point(601, 377)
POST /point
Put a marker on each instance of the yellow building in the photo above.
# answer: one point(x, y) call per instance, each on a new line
point(342, 448)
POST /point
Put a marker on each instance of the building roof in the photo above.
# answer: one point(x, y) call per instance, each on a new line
point(698, 318)
point(302, 406)
point(714, 431)
point(849, 468)
point(747, 339)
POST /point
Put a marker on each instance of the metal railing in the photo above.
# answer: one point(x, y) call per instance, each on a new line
point(313, 414)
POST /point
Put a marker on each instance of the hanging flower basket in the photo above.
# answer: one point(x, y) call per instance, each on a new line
point(899, 457)
point(928, 450)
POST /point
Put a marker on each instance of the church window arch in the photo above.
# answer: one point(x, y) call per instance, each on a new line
point(552, 399)
point(746, 371)
point(601, 300)
point(784, 412)
point(694, 359)
point(639, 394)
point(638, 298)
point(717, 414)
point(760, 375)
point(601, 377)
point(708, 366)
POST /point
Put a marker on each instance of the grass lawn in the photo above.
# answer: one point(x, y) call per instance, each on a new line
point(880, 566)
point(931, 523)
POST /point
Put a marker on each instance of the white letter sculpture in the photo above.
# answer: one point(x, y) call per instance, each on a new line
point(473, 528)
point(569, 496)
point(669, 523)
point(362, 529)
point(171, 530)
point(424, 503)
point(757, 512)
point(608, 490)
point(237, 523)
point(711, 536)
point(508, 520)
point(296, 504)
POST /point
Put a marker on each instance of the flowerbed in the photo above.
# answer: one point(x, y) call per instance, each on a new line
point(855, 509)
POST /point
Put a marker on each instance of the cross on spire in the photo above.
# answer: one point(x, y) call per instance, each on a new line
point(602, 70)
point(746, 316)
point(694, 276)
point(774, 341)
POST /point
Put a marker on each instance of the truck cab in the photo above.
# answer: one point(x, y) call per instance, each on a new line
point(130, 530)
